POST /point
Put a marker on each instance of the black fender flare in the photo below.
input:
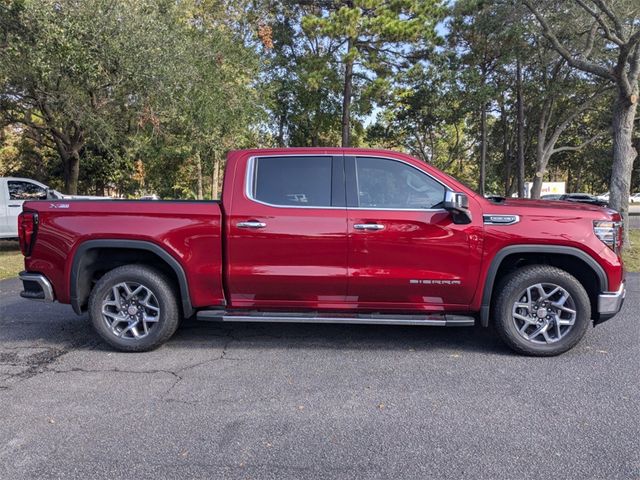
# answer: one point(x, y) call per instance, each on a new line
point(84, 247)
point(553, 249)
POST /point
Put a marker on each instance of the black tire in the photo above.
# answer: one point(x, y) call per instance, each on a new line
point(164, 298)
point(508, 293)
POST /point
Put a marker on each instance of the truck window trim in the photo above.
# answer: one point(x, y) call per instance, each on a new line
point(251, 178)
point(352, 185)
point(349, 179)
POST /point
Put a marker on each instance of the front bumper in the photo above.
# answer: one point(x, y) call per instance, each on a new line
point(36, 287)
point(610, 303)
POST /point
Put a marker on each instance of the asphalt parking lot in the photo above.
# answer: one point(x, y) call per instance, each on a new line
point(313, 401)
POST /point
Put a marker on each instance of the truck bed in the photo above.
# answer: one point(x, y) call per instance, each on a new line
point(190, 232)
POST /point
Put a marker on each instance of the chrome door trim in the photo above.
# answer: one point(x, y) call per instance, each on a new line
point(250, 179)
point(251, 224)
point(368, 226)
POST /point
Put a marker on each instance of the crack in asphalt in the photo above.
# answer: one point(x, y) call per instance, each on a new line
point(43, 362)
point(36, 363)
point(177, 373)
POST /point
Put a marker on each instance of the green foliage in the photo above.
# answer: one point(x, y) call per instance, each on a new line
point(147, 96)
point(90, 77)
point(375, 40)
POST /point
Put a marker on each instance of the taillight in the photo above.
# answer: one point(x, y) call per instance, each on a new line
point(610, 233)
point(27, 229)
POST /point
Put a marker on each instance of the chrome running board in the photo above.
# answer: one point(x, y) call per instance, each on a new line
point(435, 319)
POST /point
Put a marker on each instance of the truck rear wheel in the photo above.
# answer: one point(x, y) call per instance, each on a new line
point(134, 308)
point(541, 310)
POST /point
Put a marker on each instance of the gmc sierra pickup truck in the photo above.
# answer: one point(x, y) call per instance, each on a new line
point(329, 235)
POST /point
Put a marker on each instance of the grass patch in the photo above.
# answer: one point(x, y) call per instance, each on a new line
point(631, 254)
point(11, 260)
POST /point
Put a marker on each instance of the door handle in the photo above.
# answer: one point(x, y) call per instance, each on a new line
point(368, 226)
point(14, 206)
point(251, 224)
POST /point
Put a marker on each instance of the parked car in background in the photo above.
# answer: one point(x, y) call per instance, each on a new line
point(635, 198)
point(603, 196)
point(551, 196)
point(583, 198)
point(329, 235)
point(14, 191)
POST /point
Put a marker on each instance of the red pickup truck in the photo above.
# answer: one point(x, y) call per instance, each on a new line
point(329, 235)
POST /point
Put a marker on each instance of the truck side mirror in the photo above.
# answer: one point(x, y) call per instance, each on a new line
point(53, 194)
point(458, 205)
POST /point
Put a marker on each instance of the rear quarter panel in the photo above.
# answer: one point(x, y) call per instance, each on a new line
point(191, 232)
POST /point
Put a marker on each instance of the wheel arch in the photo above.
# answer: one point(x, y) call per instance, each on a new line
point(90, 259)
point(573, 260)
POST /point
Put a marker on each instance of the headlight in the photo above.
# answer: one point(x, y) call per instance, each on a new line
point(610, 233)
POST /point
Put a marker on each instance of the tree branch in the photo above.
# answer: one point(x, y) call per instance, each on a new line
point(591, 39)
point(619, 70)
point(609, 13)
point(571, 117)
point(568, 148)
point(634, 67)
point(578, 63)
point(608, 34)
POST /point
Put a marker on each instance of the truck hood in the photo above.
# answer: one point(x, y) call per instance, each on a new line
point(554, 207)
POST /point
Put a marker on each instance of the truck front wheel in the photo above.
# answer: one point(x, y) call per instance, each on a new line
point(541, 310)
point(134, 308)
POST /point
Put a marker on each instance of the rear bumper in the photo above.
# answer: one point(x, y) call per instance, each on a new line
point(610, 303)
point(36, 287)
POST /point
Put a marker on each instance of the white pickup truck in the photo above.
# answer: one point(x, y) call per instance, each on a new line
point(15, 191)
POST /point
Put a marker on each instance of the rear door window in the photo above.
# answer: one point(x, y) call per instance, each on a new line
point(294, 181)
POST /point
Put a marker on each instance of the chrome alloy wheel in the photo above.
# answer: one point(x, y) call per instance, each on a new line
point(544, 313)
point(130, 310)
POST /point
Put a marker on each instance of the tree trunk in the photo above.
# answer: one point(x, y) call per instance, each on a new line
point(71, 172)
point(520, 130)
point(281, 122)
point(506, 147)
point(542, 161)
point(215, 180)
point(70, 155)
point(536, 188)
point(346, 96)
point(624, 154)
point(200, 193)
point(99, 191)
point(483, 148)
